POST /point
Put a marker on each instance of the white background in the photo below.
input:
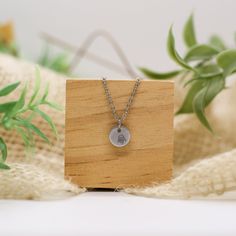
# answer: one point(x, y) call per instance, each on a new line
point(117, 214)
point(140, 26)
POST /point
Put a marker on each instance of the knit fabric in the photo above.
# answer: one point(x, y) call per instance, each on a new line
point(204, 165)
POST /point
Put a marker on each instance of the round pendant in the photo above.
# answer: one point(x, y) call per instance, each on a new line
point(119, 137)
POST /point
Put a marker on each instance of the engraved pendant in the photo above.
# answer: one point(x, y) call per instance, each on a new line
point(119, 136)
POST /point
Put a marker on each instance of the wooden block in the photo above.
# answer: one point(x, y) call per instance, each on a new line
point(90, 159)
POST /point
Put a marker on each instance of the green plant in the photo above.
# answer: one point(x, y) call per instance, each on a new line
point(7, 41)
point(59, 62)
point(207, 65)
point(9, 49)
point(19, 114)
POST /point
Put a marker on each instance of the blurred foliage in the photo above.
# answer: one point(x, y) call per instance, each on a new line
point(18, 115)
point(204, 66)
point(59, 62)
point(7, 41)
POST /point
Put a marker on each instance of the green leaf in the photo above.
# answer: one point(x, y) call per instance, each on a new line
point(45, 95)
point(215, 86)
point(32, 127)
point(189, 32)
point(215, 83)
point(205, 96)
point(199, 107)
point(191, 81)
point(44, 58)
point(9, 49)
point(173, 53)
point(200, 52)
point(187, 106)
point(3, 166)
point(19, 104)
point(156, 75)
point(6, 107)
point(53, 105)
point(209, 70)
point(227, 61)
point(8, 89)
point(60, 63)
point(37, 85)
point(3, 150)
point(217, 42)
point(47, 119)
point(26, 137)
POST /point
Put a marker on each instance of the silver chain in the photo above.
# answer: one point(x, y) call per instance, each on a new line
point(121, 118)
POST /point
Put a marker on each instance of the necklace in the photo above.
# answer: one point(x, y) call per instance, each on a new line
point(119, 135)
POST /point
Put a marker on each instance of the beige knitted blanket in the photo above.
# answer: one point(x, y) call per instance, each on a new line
point(204, 165)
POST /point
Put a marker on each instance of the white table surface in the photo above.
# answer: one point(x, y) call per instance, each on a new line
point(115, 214)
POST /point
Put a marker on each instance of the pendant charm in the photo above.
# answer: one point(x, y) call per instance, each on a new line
point(119, 136)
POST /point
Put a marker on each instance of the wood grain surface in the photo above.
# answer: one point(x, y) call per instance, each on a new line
point(90, 159)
